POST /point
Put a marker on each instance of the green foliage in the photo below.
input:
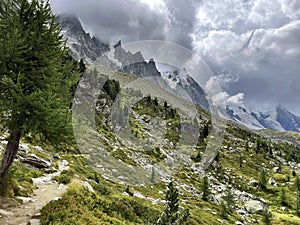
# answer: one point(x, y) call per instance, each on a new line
point(266, 218)
point(112, 88)
point(17, 181)
point(282, 197)
point(297, 183)
point(223, 210)
point(297, 212)
point(65, 177)
point(205, 189)
point(229, 199)
point(262, 179)
point(35, 80)
point(79, 206)
point(171, 214)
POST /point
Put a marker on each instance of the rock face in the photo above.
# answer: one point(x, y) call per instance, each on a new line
point(256, 207)
point(93, 51)
point(278, 118)
point(81, 43)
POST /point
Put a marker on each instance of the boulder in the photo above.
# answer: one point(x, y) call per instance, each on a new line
point(276, 169)
point(256, 207)
point(253, 182)
point(273, 182)
point(36, 162)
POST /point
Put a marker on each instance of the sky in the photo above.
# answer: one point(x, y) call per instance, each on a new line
point(252, 46)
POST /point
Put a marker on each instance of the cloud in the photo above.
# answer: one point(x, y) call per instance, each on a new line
point(257, 39)
point(219, 97)
point(131, 20)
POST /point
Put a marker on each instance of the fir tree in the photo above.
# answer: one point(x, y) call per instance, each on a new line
point(171, 215)
point(297, 183)
point(298, 204)
point(35, 80)
point(282, 197)
point(205, 189)
point(263, 179)
point(223, 210)
point(229, 199)
point(266, 218)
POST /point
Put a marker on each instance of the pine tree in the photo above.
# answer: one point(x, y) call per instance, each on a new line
point(298, 204)
point(282, 197)
point(229, 199)
point(35, 79)
point(247, 146)
point(263, 179)
point(297, 183)
point(266, 218)
point(223, 210)
point(205, 189)
point(241, 161)
point(171, 215)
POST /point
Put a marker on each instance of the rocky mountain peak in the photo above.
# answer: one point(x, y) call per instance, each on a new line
point(70, 23)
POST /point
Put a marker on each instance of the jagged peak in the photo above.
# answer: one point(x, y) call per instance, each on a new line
point(70, 21)
point(119, 44)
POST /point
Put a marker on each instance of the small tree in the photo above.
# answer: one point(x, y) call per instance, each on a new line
point(297, 183)
point(282, 197)
point(298, 204)
point(246, 146)
point(171, 215)
point(223, 210)
point(263, 179)
point(241, 161)
point(266, 218)
point(205, 189)
point(229, 199)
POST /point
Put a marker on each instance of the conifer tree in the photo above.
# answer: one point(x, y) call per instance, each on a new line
point(282, 197)
point(266, 218)
point(263, 179)
point(297, 183)
point(298, 204)
point(171, 215)
point(205, 189)
point(35, 79)
point(229, 199)
point(223, 210)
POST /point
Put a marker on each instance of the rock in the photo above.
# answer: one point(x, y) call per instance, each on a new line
point(276, 169)
point(88, 186)
point(5, 213)
point(241, 212)
point(239, 223)
point(25, 199)
point(35, 161)
point(253, 182)
point(273, 182)
point(256, 207)
point(34, 222)
point(63, 165)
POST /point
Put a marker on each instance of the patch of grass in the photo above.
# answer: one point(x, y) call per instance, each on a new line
point(18, 181)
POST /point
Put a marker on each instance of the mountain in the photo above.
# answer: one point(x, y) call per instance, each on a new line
point(176, 81)
point(95, 52)
point(278, 119)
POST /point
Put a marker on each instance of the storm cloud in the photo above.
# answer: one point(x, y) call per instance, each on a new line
point(132, 20)
point(256, 42)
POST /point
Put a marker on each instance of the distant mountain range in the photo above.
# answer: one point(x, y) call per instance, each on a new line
point(93, 51)
point(278, 118)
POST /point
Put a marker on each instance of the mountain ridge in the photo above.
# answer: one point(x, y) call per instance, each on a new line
point(93, 51)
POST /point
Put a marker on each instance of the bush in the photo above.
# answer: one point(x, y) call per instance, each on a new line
point(65, 177)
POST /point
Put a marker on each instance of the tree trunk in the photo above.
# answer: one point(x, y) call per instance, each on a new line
point(11, 151)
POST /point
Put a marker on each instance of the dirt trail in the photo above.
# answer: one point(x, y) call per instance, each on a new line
point(28, 212)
